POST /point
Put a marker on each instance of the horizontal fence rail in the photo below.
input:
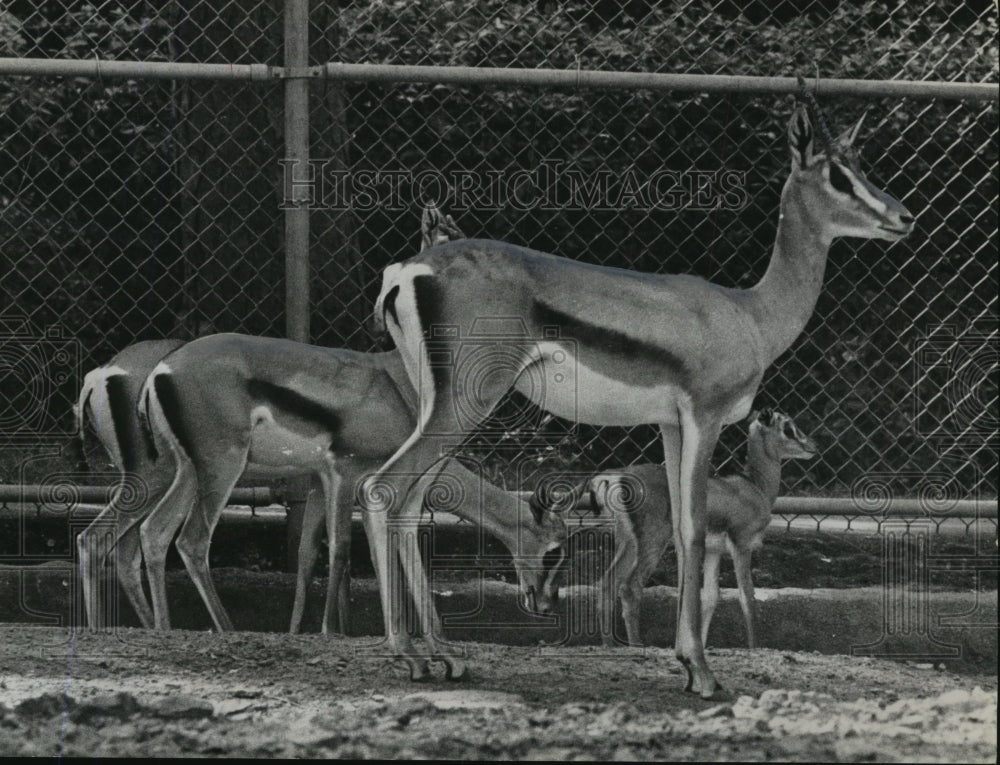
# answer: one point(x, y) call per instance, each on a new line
point(790, 513)
point(505, 77)
point(702, 83)
point(64, 494)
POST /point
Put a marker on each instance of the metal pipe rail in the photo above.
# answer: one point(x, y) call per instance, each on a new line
point(499, 76)
point(702, 83)
point(135, 70)
point(261, 496)
point(67, 494)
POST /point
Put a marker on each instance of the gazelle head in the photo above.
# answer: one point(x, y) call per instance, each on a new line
point(780, 438)
point(539, 575)
point(437, 228)
point(829, 181)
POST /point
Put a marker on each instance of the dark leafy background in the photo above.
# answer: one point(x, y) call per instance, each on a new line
point(132, 209)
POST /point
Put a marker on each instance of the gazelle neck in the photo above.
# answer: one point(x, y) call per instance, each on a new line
point(786, 295)
point(498, 516)
point(762, 470)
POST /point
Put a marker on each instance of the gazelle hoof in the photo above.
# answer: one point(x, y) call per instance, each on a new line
point(419, 670)
point(456, 670)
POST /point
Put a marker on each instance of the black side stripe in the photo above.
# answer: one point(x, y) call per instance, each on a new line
point(610, 341)
point(166, 392)
point(294, 404)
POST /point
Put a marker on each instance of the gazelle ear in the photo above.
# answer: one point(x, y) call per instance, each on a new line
point(846, 139)
point(801, 137)
point(430, 219)
point(453, 230)
point(766, 415)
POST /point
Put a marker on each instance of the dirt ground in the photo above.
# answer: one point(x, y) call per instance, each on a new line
point(273, 695)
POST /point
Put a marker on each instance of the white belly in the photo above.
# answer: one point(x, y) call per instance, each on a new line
point(275, 446)
point(561, 385)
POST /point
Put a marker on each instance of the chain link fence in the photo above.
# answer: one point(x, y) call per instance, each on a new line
point(137, 208)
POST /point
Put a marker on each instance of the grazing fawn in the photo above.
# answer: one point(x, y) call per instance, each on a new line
point(739, 510)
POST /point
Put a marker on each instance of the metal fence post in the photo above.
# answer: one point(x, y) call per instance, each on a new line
point(296, 223)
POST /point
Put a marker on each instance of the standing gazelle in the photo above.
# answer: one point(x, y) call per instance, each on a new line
point(739, 512)
point(608, 346)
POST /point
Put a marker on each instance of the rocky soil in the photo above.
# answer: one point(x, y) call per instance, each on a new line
point(272, 695)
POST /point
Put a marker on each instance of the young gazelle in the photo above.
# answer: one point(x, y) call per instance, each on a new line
point(608, 346)
point(739, 511)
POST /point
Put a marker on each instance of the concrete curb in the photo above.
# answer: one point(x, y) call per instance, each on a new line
point(958, 629)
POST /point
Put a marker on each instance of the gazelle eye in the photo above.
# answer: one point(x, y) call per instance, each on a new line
point(788, 430)
point(839, 180)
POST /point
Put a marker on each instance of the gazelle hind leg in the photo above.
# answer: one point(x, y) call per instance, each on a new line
point(617, 584)
point(338, 537)
point(709, 592)
point(215, 484)
point(92, 551)
point(401, 487)
point(125, 543)
point(632, 611)
point(129, 551)
point(402, 530)
point(157, 532)
point(744, 580)
point(376, 531)
point(309, 541)
point(338, 588)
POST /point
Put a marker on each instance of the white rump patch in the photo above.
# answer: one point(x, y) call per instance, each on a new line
point(408, 336)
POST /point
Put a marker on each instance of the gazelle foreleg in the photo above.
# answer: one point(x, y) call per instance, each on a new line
point(697, 440)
